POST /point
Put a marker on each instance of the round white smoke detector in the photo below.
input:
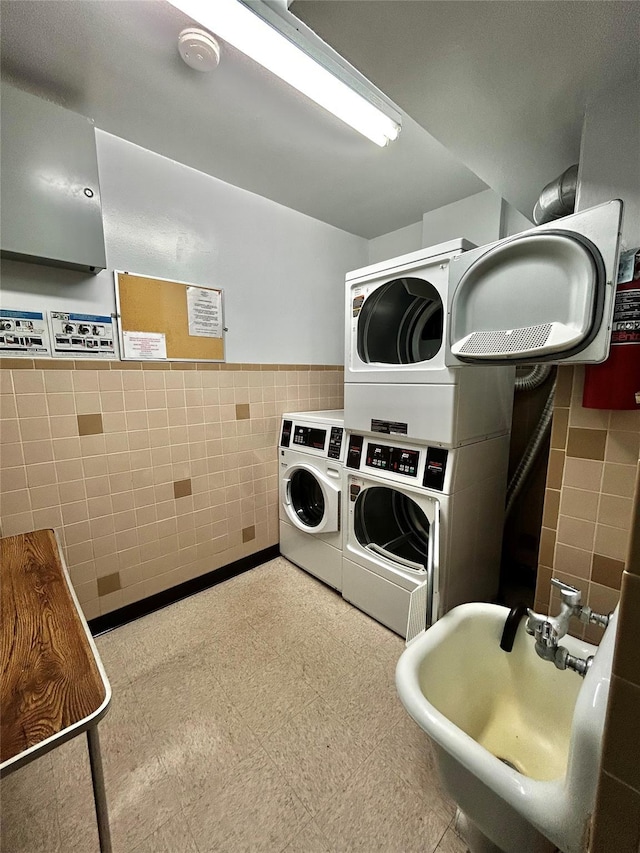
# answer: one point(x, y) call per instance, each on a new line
point(199, 49)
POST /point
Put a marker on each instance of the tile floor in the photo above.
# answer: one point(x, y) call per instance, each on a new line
point(259, 715)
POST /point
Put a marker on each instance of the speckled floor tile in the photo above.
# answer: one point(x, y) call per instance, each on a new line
point(280, 629)
point(322, 660)
point(367, 637)
point(198, 732)
point(114, 653)
point(147, 644)
point(309, 840)
point(29, 809)
point(378, 812)
point(35, 778)
point(367, 703)
point(174, 836)
point(269, 695)
point(409, 752)
point(451, 843)
point(251, 810)
point(237, 655)
point(140, 794)
point(315, 753)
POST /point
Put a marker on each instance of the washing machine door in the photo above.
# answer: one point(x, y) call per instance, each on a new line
point(545, 295)
point(311, 499)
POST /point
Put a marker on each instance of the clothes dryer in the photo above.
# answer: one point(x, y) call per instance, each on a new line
point(311, 454)
point(423, 527)
point(396, 378)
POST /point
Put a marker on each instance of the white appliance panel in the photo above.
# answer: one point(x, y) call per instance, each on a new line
point(478, 406)
point(318, 554)
point(319, 434)
point(464, 467)
point(382, 599)
point(545, 295)
point(395, 314)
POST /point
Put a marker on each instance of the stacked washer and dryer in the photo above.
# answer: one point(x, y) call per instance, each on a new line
point(400, 505)
point(419, 453)
point(427, 449)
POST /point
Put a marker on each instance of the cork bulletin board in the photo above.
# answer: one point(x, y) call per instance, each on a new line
point(159, 319)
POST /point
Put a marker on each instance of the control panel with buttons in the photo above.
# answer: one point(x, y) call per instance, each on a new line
point(335, 442)
point(398, 460)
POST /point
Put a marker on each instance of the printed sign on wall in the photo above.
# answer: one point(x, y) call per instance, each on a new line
point(23, 333)
point(78, 335)
point(204, 312)
point(151, 345)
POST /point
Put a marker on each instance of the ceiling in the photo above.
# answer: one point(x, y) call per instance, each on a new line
point(118, 63)
point(503, 85)
point(497, 86)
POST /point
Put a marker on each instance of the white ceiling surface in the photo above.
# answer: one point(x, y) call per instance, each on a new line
point(503, 85)
point(117, 62)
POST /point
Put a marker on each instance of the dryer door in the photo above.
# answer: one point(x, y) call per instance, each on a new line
point(390, 524)
point(546, 295)
point(311, 500)
point(401, 322)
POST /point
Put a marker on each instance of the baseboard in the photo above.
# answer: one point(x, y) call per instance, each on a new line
point(116, 618)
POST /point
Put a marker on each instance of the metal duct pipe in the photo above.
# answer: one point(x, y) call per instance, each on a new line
point(558, 198)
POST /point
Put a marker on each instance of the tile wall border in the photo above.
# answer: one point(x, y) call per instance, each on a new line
point(112, 364)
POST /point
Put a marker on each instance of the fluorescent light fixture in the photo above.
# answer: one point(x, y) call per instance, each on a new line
point(234, 22)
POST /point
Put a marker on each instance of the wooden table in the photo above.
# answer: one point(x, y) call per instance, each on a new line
point(53, 686)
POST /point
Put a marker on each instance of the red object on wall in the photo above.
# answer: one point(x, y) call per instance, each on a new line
point(615, 384)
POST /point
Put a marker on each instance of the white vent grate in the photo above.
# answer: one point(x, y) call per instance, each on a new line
point(417, 621)
point(515, 340)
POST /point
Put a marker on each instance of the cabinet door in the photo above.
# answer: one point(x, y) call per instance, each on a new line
point(546, 295)
point(51, 211)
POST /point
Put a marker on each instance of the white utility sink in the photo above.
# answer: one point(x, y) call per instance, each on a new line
point(518, 740)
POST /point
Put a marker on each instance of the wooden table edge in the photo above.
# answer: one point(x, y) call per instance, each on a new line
point(68, 733)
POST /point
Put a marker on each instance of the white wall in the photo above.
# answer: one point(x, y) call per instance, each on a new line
point(476, 217)
point(395, 243)
point(282, 272)
point(513, 222)
point(610, 155)
point(481, 218)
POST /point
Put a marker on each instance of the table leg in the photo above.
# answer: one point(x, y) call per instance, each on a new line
point(99, 794)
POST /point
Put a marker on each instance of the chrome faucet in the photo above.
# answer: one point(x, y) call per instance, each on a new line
point(549, 630)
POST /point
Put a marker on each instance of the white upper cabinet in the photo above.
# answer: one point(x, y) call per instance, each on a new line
point(545, 295)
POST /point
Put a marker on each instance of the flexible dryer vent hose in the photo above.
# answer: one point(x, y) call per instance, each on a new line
point(531, 452)
point(533, 378)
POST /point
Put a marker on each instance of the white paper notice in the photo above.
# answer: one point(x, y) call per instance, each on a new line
point(144, 345)
point(204, 309)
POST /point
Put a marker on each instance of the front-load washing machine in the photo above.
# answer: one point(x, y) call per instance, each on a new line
point(423, 527)
point(396, 379)
point(311, 454)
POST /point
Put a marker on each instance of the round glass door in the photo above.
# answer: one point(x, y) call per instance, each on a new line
point(401, 323)
point(392, 524)
point(307, 499)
